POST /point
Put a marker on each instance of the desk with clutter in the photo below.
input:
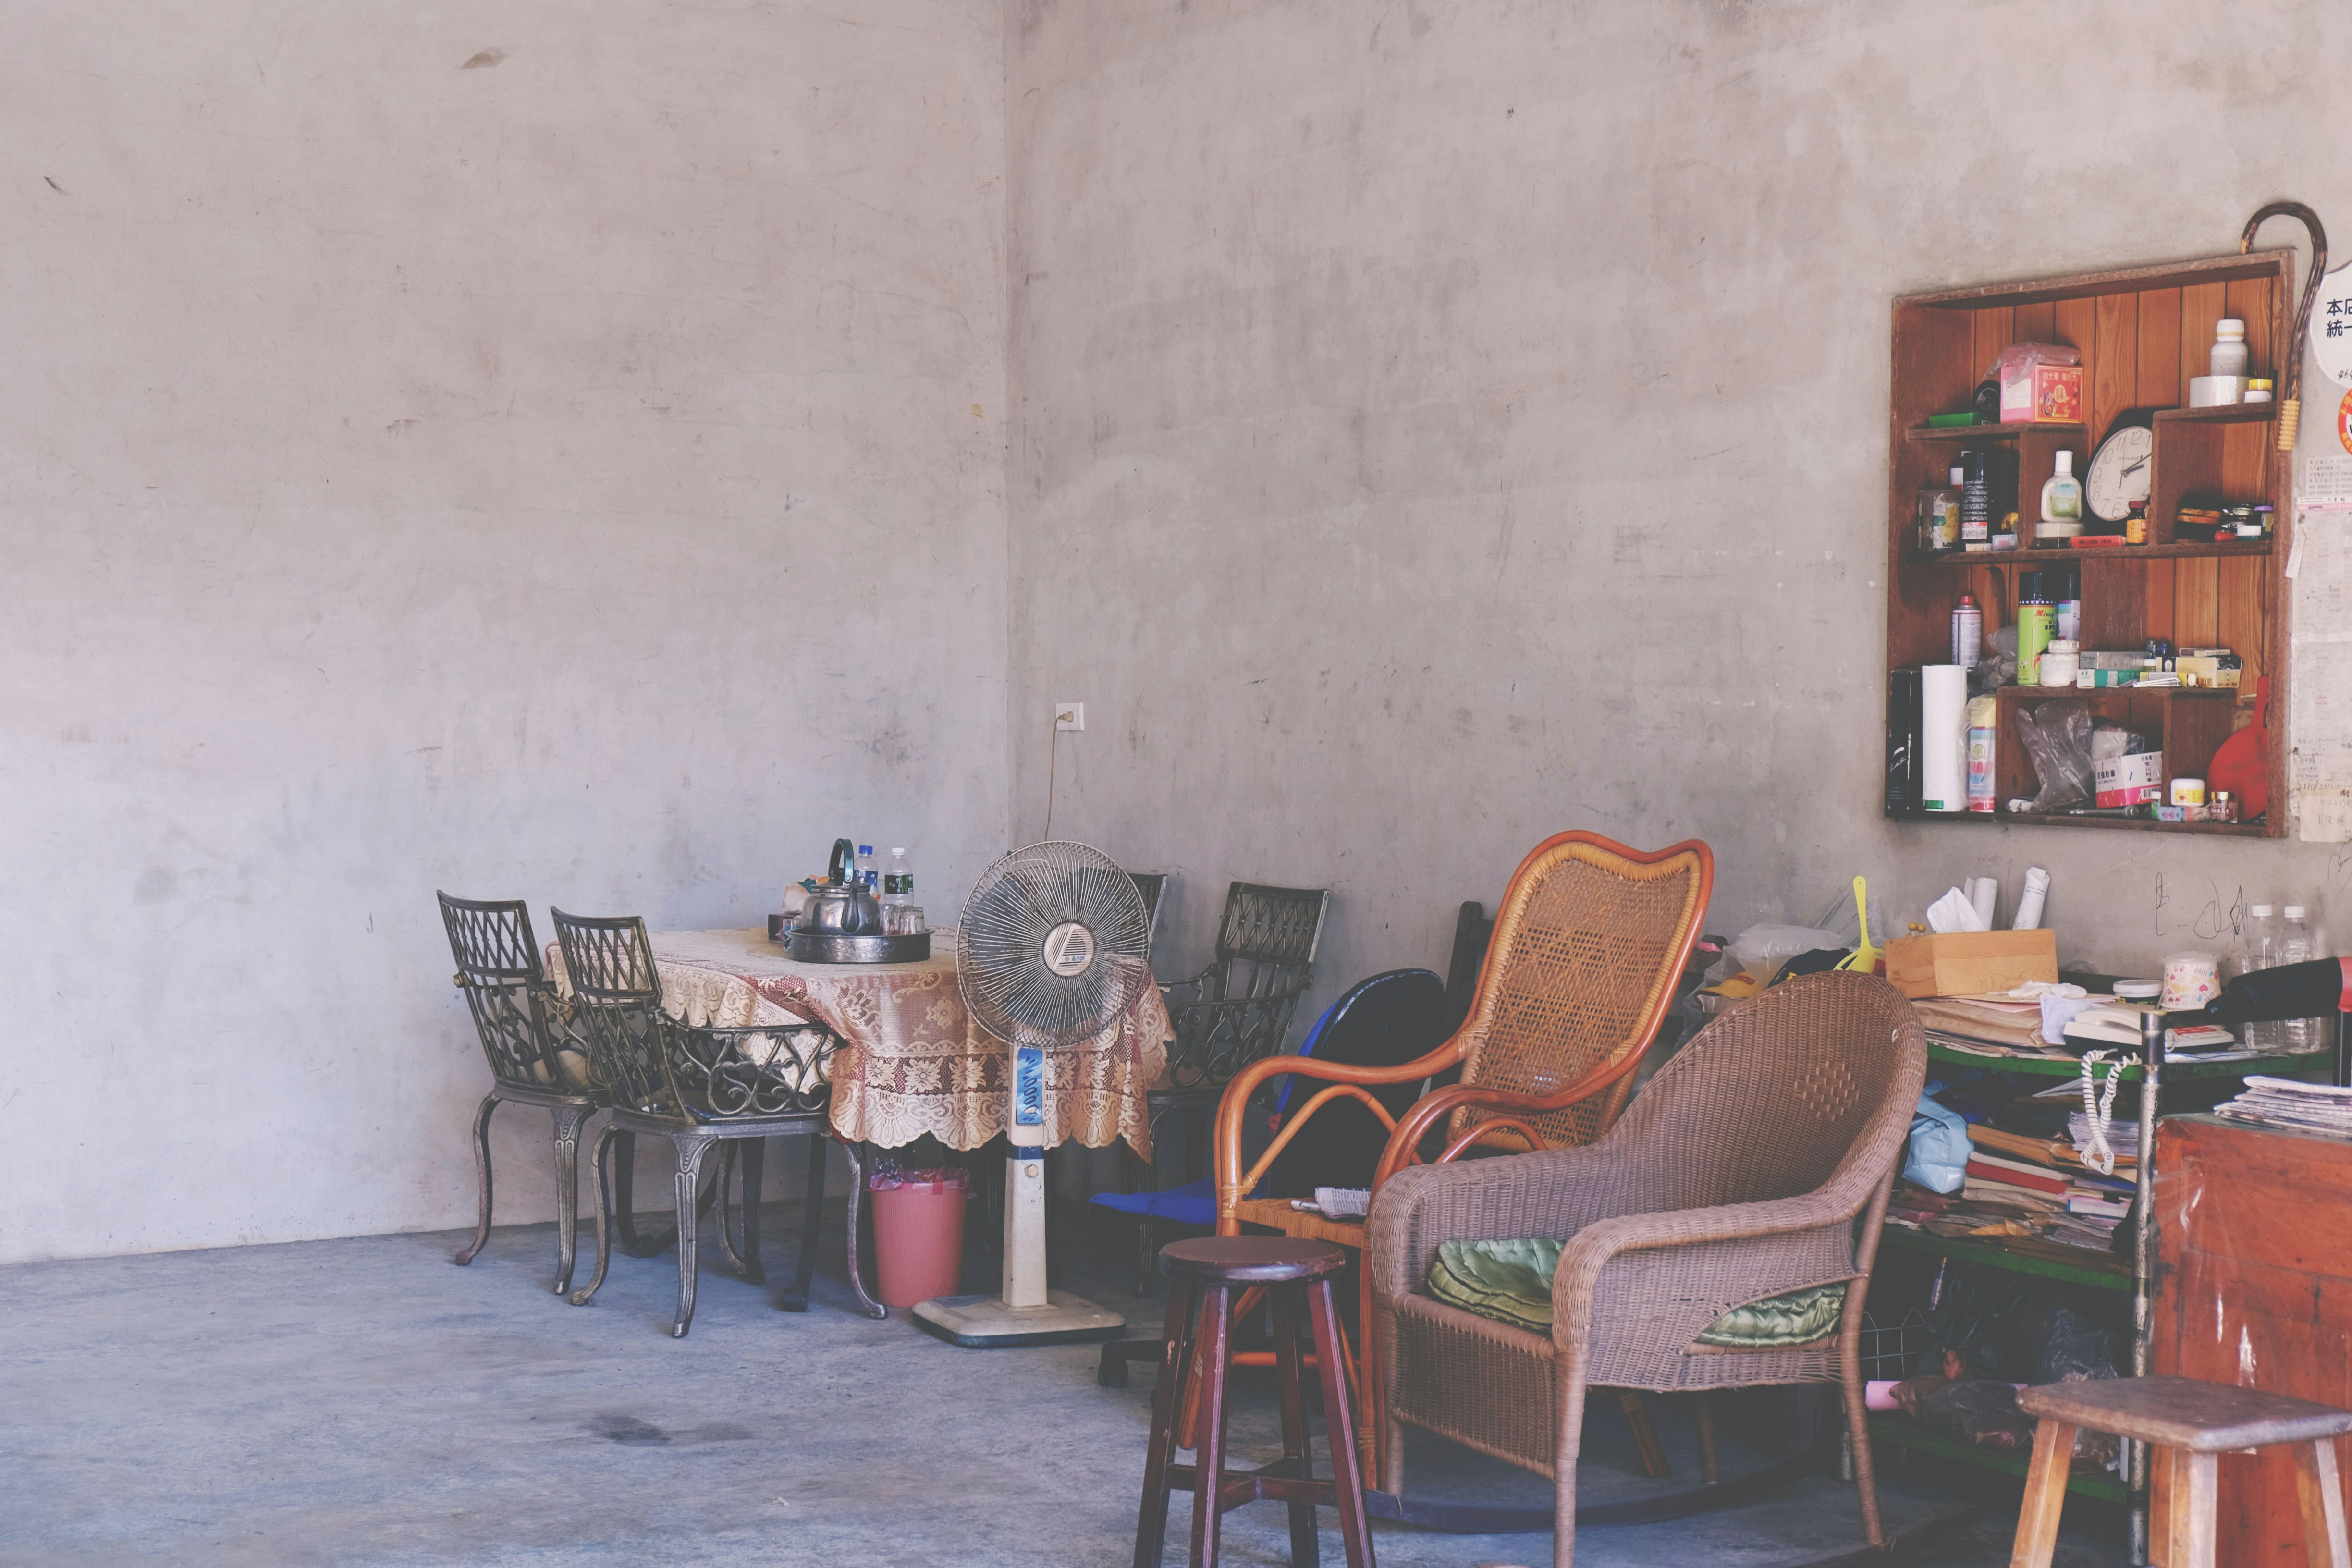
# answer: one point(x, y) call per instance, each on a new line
point(2013, 1251)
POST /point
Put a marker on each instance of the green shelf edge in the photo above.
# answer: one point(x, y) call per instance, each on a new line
point(1996, 1256)
point(2176, 1068)
point(1902, 1432)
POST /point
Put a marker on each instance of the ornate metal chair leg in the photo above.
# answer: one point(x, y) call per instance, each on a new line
point(866, 1303)
point(625, 1182)
point(568, 1120)
point(482, 1171)
point(796, 1294)
point(690, 1152)
point(727, 1152)
point(604, 1225)
point(751, 1167)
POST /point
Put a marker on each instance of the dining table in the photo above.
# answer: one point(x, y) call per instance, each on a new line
point(911, 1059)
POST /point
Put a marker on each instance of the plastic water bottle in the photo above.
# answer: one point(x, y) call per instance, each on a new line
point(899, 881)
point(2294, 946)
point(866, 873)
point(2257, 942)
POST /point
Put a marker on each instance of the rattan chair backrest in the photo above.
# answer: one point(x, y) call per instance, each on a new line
point(1810, 1085)
point(1588, 942)
point(514, 1009)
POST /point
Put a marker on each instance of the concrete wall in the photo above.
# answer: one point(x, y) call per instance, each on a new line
point(521, 448)
point(1440, 425)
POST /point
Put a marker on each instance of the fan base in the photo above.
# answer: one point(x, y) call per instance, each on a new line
point(985, 1322)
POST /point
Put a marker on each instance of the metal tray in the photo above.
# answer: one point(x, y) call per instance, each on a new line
point(831, 947)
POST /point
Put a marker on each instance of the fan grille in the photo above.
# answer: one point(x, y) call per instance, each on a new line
point(1053, 945)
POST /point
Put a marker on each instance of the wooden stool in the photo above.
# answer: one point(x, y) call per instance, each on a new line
point(1203, 1275)
point(2194, 1424)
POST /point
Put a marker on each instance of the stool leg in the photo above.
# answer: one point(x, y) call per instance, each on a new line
point(1151, 1524)
point(1339, 1429)
point(2045, 1494)
point(1305, 1552)
point(2322, 1498)
point(1709, 1470)
point(2193, 1526)
point(1646, 1447)
point(1209, 1452)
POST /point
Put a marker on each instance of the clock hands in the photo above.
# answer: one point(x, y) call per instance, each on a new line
point(2136, 468)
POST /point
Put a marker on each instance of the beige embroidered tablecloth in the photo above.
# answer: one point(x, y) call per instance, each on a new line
point(912, 1059)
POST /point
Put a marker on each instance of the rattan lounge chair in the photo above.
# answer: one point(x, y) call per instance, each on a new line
point(1756, 1163)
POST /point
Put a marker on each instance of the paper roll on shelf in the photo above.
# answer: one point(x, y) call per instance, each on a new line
point(1944, 737)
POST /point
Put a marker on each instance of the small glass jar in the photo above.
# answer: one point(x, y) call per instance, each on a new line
point(2136, 523)
point(2222, 808)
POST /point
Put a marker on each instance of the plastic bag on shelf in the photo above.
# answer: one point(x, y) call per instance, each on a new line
point(2019, 358)
point(2057, 740)
point(1937, 1155)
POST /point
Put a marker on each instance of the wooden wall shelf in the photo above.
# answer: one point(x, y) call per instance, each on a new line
point(2143, 333)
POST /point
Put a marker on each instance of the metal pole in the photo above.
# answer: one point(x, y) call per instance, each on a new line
point(2151, 1048)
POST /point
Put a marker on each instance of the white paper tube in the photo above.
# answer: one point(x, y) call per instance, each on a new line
point(1944, 737)
point(1983, 893)
point(2029, 898)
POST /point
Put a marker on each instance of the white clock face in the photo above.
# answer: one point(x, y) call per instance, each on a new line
point(2120, 473)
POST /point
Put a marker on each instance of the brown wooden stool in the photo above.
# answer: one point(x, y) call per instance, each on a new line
point(1203, 1275)
point(2190, 1425)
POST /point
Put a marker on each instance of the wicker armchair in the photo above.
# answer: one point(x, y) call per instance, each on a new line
point(1587, 946)
point(701, 1086)
point(1756, 1163)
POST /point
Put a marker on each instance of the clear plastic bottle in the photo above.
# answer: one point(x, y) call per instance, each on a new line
point(2294, 945)
point(899, 881)
point(2257, 942)
point(867, 871)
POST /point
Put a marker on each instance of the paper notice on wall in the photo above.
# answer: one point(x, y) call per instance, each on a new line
point(2319, 769)
point(2322, 479)
point(2331, 325)
point(2320, 571)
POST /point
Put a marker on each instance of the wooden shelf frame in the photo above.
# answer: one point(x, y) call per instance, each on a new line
point(2143, 334)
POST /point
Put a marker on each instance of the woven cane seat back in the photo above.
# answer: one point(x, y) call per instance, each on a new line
point(1771, 1099)
point(1587, 941)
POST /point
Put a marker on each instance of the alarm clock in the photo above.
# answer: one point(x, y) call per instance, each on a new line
point(2123, 467)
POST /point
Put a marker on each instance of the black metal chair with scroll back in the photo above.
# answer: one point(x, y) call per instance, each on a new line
point(700, 1086)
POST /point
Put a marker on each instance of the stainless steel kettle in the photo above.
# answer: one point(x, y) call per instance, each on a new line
point(843, 905)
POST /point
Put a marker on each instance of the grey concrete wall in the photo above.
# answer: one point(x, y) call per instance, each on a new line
point(1440, 425)
point(574, 474)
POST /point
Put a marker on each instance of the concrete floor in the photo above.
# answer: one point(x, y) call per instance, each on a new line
point(362, 1402)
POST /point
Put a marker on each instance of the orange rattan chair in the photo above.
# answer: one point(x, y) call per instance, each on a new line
point(1589, 942)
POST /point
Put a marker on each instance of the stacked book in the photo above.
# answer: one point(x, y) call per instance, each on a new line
point(2296, 1107)
point(2073, 1207)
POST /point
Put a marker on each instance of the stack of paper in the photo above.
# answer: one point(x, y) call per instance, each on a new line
point(2299, 1107)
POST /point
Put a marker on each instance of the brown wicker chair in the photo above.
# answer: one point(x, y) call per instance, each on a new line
point(1588, 942)
point(1758, 1162)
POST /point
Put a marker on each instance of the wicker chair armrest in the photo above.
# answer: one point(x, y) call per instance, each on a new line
point(1434, 1107)
point(1225, 1146)
point(1553, 1192)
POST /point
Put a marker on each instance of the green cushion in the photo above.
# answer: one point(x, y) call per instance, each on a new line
point(1510, 1281)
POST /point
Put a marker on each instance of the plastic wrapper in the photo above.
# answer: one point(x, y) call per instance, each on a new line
point(1761, 950)
point(2057, 740)
point(1937, 1155)
point(888, 1177)
point(2018, 358)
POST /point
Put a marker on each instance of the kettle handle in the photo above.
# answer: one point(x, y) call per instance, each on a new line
point(844, 854)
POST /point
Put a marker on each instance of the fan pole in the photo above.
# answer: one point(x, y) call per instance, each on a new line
point(1027, 1313)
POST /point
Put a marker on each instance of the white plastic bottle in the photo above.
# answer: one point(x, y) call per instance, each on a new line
point(2294, 946)
point(899, 881)
point(2062, 502)
point(2256, 940)
point(2228, 356)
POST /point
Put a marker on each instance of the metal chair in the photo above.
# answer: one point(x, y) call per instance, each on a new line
point(700, 1087)
point(526, 1033)
point(1234, 1012)
point(1153, 886)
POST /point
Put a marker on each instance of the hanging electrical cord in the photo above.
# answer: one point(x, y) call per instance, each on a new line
point(1053, 764)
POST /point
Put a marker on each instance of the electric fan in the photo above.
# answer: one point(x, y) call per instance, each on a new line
point(1052, 948)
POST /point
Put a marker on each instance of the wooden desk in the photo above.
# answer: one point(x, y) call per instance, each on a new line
point(2253, 1286)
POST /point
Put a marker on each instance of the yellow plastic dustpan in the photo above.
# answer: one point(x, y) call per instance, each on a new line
point(1864, 958)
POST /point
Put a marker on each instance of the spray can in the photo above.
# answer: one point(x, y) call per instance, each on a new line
point(2036, 619)
point(1983, 716)
point(1976, 502)
point(1968, 632)
point(2068, 618)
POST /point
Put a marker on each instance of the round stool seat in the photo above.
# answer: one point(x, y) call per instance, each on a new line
point(1250, 1259)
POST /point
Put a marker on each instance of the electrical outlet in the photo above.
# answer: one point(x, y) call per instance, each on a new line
point(1069, 715)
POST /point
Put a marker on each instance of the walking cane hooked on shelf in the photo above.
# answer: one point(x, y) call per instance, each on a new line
point(2291, 372)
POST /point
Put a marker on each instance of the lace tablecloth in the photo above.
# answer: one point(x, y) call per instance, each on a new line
point(911, 1061)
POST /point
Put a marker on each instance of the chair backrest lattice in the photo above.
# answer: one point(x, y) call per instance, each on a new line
point(1587, 944)
point(616, 995)
point(1152, 886)
point(655, 1063)
point(1812, 1080)
point(1240, 1008)
point(517, 1015)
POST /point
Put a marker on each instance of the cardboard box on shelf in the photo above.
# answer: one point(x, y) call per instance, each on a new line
point(1970, 962)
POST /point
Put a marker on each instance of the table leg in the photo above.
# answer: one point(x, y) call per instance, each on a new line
point(796, 1294)
point(866, 1303)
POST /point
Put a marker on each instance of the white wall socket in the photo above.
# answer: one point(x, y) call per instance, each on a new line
point(1069, 715)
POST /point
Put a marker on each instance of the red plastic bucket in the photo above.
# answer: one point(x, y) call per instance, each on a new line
point(918, 1241)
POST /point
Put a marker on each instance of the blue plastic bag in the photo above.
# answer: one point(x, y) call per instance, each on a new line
point(1938, 1156)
